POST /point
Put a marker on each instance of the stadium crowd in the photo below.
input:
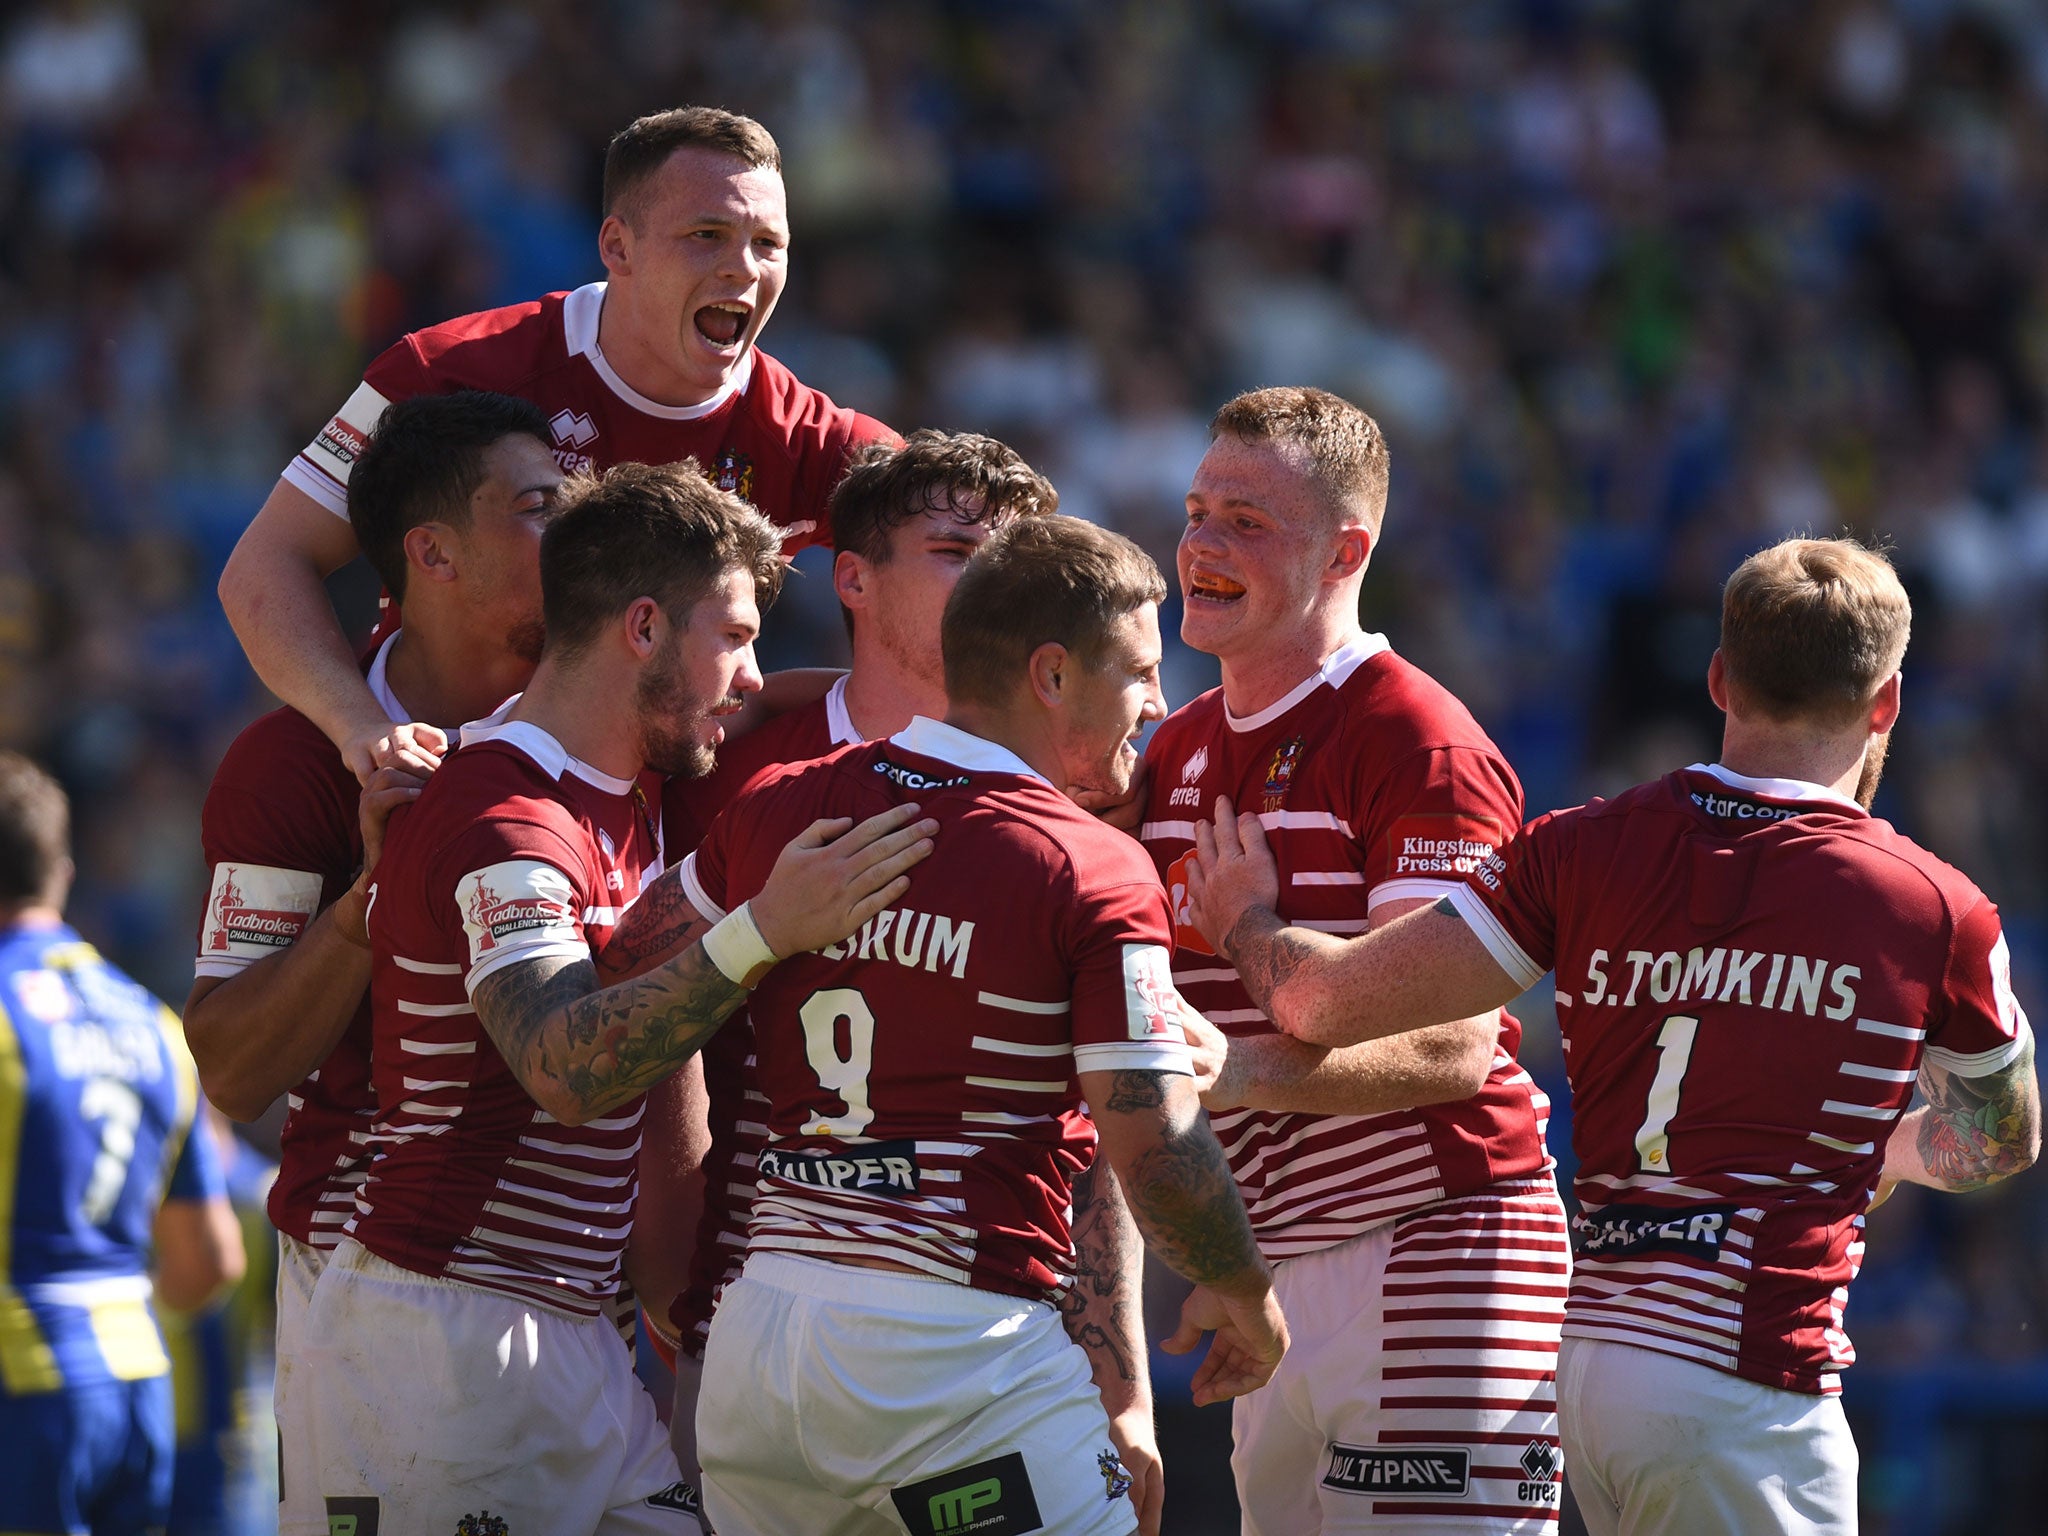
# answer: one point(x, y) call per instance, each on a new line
point(1634, 289)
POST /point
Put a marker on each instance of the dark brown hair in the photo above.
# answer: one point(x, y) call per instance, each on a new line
point(35, 830)
point(1813, 628)
point(647, 530)
point(424, 461)
point(1041, 580)
point(1344, 448)
point(643, 146)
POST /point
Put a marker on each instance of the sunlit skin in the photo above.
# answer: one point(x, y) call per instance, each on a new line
point(472, 598)
point(897, 605)
point(706, 669)
point(1109, 703)
point(1268, 569)
point(694, 274)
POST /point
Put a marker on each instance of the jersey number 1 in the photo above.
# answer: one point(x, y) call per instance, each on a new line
point(845, 1075)
point(1674, 1055)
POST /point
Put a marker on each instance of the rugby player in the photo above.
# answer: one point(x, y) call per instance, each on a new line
point(460, 1355)
point(1403, 1192)
point(105, 1158)
point(1752, 974)
point(448, 499)
point(657, 363)
point(894, 1350)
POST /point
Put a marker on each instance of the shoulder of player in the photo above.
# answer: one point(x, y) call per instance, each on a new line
point(1200, 718)
point(1089, 855)
point(1397, 709)
point(802, 417)
point(1898, 857)
point(284, 757)
point(496, 349)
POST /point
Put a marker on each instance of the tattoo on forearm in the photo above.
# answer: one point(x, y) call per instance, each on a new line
point(1979, 1130)
point(1182, 1194)
point(1101, 1314)
point(599, 1048)
point(1265, 954)
point(655, 927)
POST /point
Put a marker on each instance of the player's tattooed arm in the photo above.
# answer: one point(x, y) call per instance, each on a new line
point(1102, 1308)
point(579, 1049)
point(1972, 1131)
point(661, 923)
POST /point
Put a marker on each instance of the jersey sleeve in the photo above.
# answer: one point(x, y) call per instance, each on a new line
point(1510, 901)
point(1126, 1014)
point(278, 847)
point(322, 467)
point(1437, 819)
point(825, 460)
point(1984, 1029)
point(707, 868)
point(520, 890)
point(199, 1172)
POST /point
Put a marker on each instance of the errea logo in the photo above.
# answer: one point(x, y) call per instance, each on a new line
point(1196, 766)
point(574, 428)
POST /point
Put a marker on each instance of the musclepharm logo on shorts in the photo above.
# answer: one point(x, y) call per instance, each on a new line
point(1409, 1471)
point(990, 1498)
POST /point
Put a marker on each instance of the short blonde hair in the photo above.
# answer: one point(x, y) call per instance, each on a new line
point(1813, 628)
point(1346, 451)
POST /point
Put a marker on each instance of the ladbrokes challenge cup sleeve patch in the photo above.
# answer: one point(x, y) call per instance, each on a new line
point(1153, 1040)
point(323, 466)
point(253, 910)
point(520, 909)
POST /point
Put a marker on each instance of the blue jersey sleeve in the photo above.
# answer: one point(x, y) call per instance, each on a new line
point(198, 1173)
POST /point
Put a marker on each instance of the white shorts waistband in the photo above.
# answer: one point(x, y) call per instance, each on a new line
point(884, 1290)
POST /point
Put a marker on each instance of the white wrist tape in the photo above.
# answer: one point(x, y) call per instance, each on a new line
point(735, 945)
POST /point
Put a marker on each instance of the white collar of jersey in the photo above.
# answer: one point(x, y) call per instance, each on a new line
point(580, 313)
point(549, 754)
point(1778, 789)
point(380, 682)
point(949, 744)
point(1336, 670)
point(837, 720)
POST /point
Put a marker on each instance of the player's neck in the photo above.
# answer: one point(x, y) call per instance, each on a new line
point(1766, 750)
point(1022, 731)
point(882, 695)
point(589, 710)
point(447, 678)
point(1261, 675)
point(639, 365)
point(30, 914)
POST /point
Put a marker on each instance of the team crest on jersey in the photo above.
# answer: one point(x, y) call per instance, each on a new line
point(485, 1524)
point(509, 900)
point(1116, 1482)
point(733, 472)
point(1280, 774)
point(255, 909)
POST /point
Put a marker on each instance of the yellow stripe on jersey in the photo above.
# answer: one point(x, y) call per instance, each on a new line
point(27, 1363)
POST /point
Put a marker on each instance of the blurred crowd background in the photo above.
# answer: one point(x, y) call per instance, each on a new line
point(1634, 288)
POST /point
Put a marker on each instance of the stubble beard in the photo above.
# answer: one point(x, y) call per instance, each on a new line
point(1873, 770)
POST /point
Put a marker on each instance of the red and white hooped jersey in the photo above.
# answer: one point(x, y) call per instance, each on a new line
point(282, 842)
point(923, 1102)
point(768, 436)
point(738, 1108)
point(1749, 974)
point(1374, 785)
point(515, 851)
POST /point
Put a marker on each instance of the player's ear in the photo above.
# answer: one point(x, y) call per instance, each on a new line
point(1717, 682)
point(430, 553)
point(1884, 709)
point(1354, 551)
point(644, 627)
point(615, 245)
point(849, 579)
point(1051, 670)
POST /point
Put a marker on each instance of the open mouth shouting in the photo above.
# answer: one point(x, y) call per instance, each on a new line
point(1209, 587)
point(722, 326)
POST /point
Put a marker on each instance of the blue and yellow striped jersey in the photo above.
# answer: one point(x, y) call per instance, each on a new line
point(97, 1098)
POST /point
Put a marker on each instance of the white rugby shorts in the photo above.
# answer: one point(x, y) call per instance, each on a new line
point(844, 1401)
point(299, 1510)
point(1419, 1395)
point(434, 1402)
point(1662, 1446)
